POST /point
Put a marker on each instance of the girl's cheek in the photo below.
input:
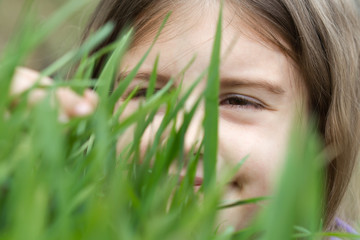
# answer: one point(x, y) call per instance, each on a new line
point(147, 138)
point(124, 140)
point(264, 147)
point(130, 108)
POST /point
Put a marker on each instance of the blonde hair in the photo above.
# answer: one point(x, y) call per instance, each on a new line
point(323, 39)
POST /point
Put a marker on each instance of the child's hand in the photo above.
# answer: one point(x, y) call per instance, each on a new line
point(71, 104)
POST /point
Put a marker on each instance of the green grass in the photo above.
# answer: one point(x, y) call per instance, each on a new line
point(67, 181)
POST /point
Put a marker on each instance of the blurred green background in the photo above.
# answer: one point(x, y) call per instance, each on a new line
point(66, 37)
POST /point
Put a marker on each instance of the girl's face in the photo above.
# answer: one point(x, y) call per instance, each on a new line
point(258, 102)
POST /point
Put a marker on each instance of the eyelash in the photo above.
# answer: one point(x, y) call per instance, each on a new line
point(241, 101)
point(140, 93)
point(233, 100)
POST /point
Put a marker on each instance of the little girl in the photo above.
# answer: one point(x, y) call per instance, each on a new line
point(288, 58)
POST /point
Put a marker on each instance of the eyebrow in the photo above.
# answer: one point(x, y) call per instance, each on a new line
point(224, 82)
point(160, 78)
point(256, 83)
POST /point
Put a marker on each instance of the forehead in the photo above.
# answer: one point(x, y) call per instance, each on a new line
point(241, 50)
point(244, 52)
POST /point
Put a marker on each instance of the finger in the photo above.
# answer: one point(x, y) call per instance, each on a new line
point(91, 97)
point(36, 96)
point(72, 104)
point(25, 78)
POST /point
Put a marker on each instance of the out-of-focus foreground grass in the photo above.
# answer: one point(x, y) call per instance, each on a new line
point(64, 38)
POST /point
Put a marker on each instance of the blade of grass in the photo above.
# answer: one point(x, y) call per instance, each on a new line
point(158, 99)
point(109, 71)
point(152, 81)
point(177, 150)
point(298, 198)
point(58, 18)
point(211, 110)
point(75, 55)
point(171, 115)
point(243, 202)
point(125, 82)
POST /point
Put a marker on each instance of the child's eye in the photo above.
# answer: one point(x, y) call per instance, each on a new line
point(241, 101)
point(141, 93)
point(234, 100)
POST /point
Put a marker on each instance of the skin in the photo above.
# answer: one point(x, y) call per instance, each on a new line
point(258, 103)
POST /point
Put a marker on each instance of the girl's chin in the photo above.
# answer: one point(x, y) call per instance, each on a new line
point(237, 217)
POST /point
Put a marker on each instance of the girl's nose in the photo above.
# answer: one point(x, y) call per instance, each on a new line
point(194, 133)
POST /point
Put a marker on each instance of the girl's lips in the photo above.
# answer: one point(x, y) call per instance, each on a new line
point(198, 181)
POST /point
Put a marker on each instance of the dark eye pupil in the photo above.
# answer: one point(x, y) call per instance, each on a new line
point(140, 93)
point(237, 101)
